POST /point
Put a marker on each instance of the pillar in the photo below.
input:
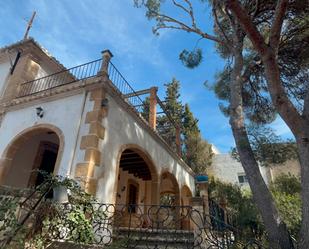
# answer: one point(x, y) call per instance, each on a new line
point(155, 192)
point(106, 57)
point(90, 142)
point(203, 187)
point(153, 108)
point(178, 140)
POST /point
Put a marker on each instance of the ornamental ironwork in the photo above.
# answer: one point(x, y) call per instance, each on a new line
point(115, 226)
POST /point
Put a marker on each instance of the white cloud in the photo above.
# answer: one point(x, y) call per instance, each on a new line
point(109, 24)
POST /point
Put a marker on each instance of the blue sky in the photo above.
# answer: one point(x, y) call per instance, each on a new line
point(77, 31)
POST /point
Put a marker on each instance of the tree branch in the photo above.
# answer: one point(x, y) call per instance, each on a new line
point(247, 25)
point(280, 100)
point(180, 6)
point(191, 12)
point(277, 24)
point(164, 18)
point(214, 11)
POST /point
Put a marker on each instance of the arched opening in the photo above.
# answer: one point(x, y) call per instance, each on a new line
point(34, 151)
point(169, 201)
point(137, 180)
point(169, 190)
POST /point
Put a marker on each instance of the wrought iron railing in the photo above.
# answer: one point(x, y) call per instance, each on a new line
point(117, 226)
point(166, 126)
point(123, 86)
point(61, 78)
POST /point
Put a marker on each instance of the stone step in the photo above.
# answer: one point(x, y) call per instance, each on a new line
point(155, 238)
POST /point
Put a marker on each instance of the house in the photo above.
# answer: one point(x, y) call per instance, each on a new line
point(84, 123)
point(227, 169)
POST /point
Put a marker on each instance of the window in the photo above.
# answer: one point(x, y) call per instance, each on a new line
point(242, 178)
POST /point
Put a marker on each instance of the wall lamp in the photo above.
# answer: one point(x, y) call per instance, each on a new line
point(39, 112)
point(104, 102)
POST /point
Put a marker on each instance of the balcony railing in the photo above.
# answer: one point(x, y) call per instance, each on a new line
point(166, 127)
point(61, 78)
point(123, 86)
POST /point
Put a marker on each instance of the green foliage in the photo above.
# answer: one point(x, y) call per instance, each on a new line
point(268, 148)
point(256, 101)
point(245, 216)
point(287, 183)
point(72, 221)
point(167, 199)
point(8, 216)
point(230, 39)
point(145, 108)
point(240, 208)
point(191, 59)
point(196, 151)
point(174, 108)
point(286, 191)
point(293, 69)
point(289, 207)
point(152, 6)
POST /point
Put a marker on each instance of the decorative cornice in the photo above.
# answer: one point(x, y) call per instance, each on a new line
point(51, 94)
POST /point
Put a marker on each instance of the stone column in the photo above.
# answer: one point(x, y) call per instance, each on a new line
point(153, 108)
point(178, 141)
point(155, 192)
point(106, 57)
point(203, 187)
point(90, 143)
point(200, 225)
point(200, 216)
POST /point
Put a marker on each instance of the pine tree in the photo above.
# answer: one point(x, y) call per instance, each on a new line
point(146, 109)
point(197, 151)
point(174, 108)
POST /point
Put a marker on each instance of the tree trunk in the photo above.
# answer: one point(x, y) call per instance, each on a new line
point(303, 149)
point(277, 233)
point(299, 125)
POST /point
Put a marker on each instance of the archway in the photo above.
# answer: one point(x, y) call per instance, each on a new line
point(169, 190)
point(169, 202)
point(137, 183)
point(37, 149)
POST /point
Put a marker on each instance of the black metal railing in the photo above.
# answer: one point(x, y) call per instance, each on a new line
point(123, 86)
point(61, 78)
point(117, 226)
point(166, 126)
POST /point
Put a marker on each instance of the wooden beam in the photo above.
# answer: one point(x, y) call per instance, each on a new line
point(130, 157)
point(134, 162)
point(137, 167)
point(141, 92)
